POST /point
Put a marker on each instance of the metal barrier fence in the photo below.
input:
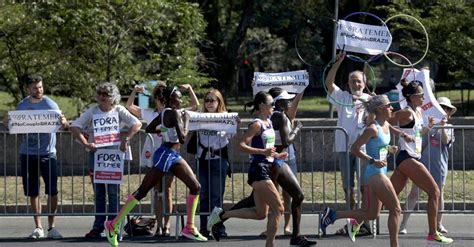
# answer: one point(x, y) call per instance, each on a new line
point(318, 174)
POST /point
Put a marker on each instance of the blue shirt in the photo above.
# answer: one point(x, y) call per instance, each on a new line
point(38, 143)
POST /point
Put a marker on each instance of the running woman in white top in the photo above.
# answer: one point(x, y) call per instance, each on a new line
point(166, 158)
point(259, 142)
point(163, 222)
point(435, 157)
point(408, 162)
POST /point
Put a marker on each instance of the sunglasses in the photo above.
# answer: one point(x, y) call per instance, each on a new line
point(419, 94)
point(210, 100)
point(103, 94)
point(269, 103)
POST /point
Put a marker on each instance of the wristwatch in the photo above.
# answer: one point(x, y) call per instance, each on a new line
point(372, 160)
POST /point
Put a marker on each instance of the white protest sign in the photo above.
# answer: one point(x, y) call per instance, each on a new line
point(106, 129)
point(34, 121)
point(213, 121)
point(363, 38)
point(292, 81)
point(430, 105)
point(108, 166)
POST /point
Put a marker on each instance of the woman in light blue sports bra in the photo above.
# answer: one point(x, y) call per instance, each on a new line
point(380, 191)
point(408, 162)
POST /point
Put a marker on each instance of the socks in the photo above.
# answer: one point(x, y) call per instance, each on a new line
point(191, 206)
point(129, 205)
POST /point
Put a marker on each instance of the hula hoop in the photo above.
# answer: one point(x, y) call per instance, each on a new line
point(374, 57)
point(323, 80)
point(427, 42)
point(298, 54)
point(411, 65)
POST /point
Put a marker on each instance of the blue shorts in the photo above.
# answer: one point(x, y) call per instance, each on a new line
point(164, 158)
point(32, 166)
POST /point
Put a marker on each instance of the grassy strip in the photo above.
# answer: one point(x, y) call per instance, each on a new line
point(78, 189)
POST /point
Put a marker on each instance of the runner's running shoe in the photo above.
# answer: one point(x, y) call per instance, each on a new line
point(439, 238)
point(301, 241)
point(216, 231)
point(329, 216)
point(110, 233)
point(193, 234)
point(214, 218)
point(352, 228)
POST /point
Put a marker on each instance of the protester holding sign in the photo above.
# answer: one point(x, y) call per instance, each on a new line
point(163, 221)
point(38, 156)
point(435, 157)
point(259, 142)
point(103, 123)
point(212, 160)
point(173, 129)
point(350, 116)
point(410, 120)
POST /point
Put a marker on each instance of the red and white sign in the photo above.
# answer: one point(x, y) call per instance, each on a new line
point(430, 106)
point(108, 166)
point(106, 129)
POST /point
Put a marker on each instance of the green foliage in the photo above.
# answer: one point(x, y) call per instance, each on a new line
point(450, 29)
point(75, 46)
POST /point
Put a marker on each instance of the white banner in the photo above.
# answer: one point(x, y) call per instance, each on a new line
point(106, 129)
point(34, 121)
point(363, 38)
point(292, 81)
point(108, 166)
point(213, 121)
point(430, 105)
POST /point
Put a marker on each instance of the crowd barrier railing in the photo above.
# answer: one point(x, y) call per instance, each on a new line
point(317, 165)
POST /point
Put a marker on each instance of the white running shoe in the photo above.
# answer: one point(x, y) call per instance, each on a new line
point(37, 233)
point(214, 218)
point(403, 230)
point(54, 234)
point(442, 229)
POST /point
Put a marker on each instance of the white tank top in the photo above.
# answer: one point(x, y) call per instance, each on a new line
point(168, 134)
point(413, 148)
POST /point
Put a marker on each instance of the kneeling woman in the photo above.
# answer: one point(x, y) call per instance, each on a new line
point(376, 137)
point(259, 142)
point(166, 158)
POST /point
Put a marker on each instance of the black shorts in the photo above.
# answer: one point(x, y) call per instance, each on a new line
point(259, 171)
point(402, 156)
point(32, 166)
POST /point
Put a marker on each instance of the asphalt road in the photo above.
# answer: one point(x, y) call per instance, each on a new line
point(13, 232)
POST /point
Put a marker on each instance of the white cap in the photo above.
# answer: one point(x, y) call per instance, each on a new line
point(284, 95)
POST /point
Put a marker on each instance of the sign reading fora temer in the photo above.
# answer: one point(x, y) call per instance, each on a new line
point(108, 166)
point(106, 129)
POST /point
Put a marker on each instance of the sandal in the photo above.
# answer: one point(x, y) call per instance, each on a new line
point(342, 231)
point(165, 232)
point(158, 232)
point(287, 233)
